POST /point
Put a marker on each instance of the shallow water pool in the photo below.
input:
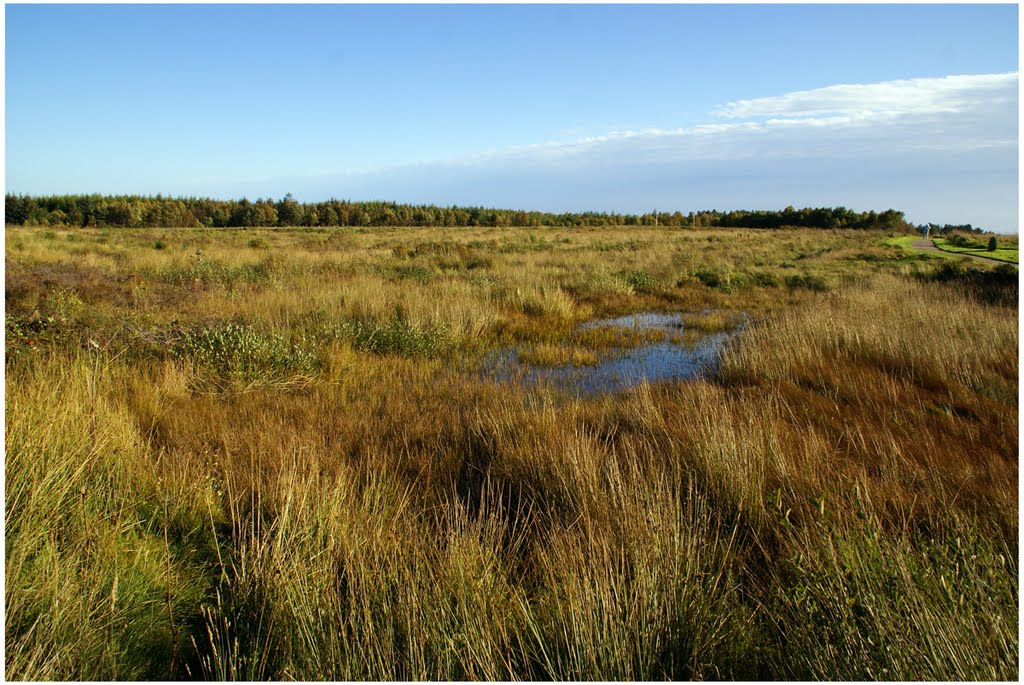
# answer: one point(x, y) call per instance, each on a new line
point(622, 368)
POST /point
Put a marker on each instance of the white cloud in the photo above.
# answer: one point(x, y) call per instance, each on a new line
point(942, 149)
point(955, 112)
point(949, 94)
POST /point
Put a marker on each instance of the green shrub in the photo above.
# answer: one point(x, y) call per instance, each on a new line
point(948, 271)
point(708, 277)
point(806, 282)
point(479, 262)
point(641, 281)
point(414, 272)
point(998, 286)
point(63, 303)
point(397, 336)
point(738, 280)
point(237, 352)
point(27, 335)
point(714, 278)
point(959, 240)
point(765, 279)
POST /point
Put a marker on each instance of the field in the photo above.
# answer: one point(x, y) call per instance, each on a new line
point(250, 454)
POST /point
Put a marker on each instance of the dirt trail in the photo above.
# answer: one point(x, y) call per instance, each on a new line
point(927, 245)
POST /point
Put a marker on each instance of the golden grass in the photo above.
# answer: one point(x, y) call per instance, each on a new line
point(557, 355)
point(839, 502)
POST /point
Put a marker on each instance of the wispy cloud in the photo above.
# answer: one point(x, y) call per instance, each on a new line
point(949, 94)
point(944, 149)
point(954, 113)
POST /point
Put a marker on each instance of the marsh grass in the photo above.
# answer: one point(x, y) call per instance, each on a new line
point(712, 321)
point(839, 502)
point(624, 337)
point(91, 577)
point(557, 355)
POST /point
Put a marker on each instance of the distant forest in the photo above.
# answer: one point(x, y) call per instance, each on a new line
point(135, 211)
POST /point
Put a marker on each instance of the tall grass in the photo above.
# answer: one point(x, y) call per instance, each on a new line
point(840, 502)
point(105, 549)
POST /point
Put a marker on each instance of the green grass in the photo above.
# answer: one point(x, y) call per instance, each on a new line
point(1002, 254)
point(901, 240)
point(1008, 255)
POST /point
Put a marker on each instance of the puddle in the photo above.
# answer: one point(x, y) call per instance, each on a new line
point(642, 321)
point(622, 368)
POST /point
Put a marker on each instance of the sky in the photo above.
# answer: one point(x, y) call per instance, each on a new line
point(626, 108)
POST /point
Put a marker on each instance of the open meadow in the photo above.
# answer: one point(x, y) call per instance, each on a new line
point(286, 454)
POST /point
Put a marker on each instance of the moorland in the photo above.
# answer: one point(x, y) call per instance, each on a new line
point(245, 453)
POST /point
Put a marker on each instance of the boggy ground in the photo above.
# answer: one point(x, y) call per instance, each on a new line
point(259, 454)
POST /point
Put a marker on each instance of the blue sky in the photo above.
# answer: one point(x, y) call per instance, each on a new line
point(625, 108)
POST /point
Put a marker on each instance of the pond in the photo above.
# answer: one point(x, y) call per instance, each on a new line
point(663, 357)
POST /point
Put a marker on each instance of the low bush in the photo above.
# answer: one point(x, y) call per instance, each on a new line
point(641, 281)
point(479, 262)
point(24, 335)
point(764, 279)
point(414, 272)
point(63, 303)
point(998, 286)
point(717, 279)
point(240, 353)
point(947, 271)
point(806, 282)
point(960, 240)
point(397, 337)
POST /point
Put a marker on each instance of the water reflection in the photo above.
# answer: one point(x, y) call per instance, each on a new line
point(664, 358)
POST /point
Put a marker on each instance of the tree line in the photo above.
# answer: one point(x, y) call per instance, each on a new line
point(946, 229)
point(137, 211)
